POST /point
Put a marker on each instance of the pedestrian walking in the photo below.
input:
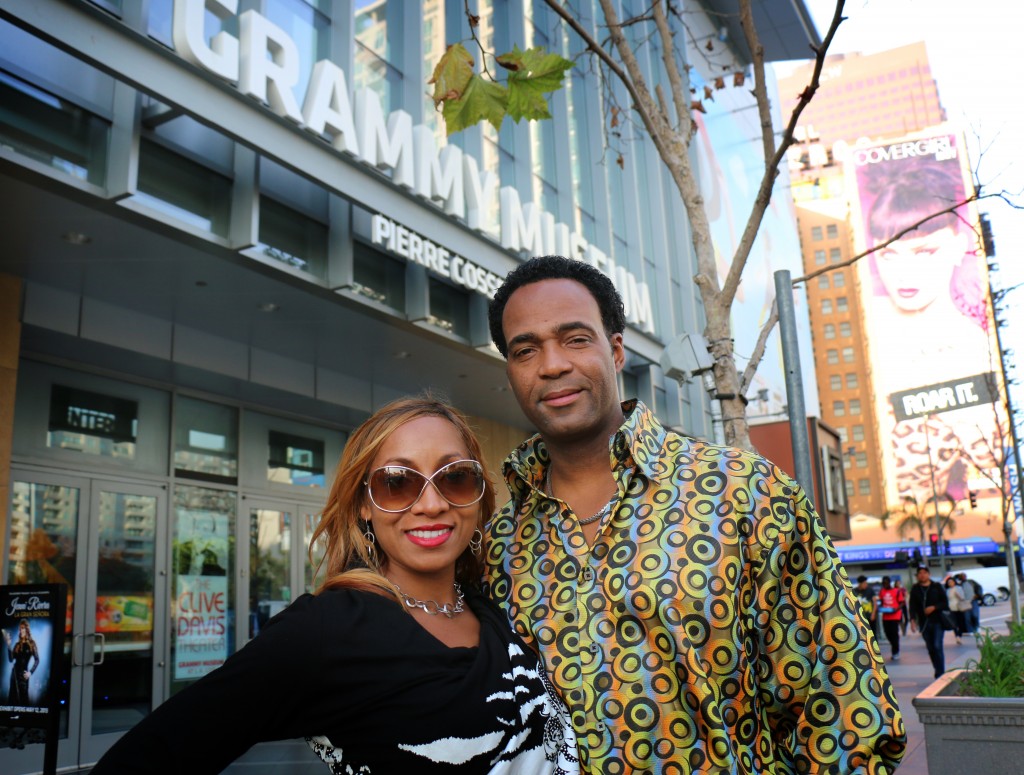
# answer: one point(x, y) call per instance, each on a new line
point(892, 614)
point(975, 589)
point(905, 618)
point(927, 602)
point(957, 605)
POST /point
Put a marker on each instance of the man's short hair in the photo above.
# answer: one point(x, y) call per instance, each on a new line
point(613, 316)
point(861, 579)
point(924, 568)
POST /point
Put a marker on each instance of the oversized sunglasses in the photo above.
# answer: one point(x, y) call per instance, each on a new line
point(397, 488)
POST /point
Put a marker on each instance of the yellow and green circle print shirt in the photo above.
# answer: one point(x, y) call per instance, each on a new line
point(709, 629)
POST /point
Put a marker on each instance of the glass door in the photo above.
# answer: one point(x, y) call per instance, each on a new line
point(118, 648)
point(105, 541)
point(274, 566)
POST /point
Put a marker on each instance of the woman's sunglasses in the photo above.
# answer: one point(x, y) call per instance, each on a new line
point(397, 488)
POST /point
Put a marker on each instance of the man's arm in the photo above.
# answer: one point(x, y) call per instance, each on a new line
point(824, 679)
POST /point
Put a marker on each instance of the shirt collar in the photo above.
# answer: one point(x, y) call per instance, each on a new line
point(637, 444)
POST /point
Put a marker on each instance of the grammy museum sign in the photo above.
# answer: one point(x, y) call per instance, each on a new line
point(263, 63)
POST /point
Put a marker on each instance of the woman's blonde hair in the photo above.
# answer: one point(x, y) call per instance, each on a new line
point(347, 560)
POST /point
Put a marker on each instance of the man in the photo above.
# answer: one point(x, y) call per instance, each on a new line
point(868, 605)
point(683, 596)
point(973, 592)
point(927, 602)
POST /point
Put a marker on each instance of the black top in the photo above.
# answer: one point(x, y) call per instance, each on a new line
point(378, 692)
point(923, 596)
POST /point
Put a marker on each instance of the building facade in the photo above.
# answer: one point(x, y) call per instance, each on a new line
point(879, 95)
point(234, 229)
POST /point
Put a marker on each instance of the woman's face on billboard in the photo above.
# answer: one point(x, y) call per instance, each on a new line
point(917, 270)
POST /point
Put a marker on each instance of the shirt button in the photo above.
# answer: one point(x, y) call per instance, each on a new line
point(595, 649)
point(599, 726)
point(588, 574)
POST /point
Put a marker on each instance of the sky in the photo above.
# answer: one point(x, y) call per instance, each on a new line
point(974, 51)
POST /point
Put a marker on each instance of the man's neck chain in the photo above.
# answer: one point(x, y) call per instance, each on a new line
point(433, 608)
point(546, 489)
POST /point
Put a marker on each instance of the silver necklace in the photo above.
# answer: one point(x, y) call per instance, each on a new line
point(592, 518)
point(432, 607)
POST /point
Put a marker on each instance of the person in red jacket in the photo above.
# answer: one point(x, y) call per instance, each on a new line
point(890, 604)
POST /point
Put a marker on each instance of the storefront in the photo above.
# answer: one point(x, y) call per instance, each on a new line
point(219, 258)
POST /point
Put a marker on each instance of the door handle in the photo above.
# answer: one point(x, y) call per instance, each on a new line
point(74, 651)
point(103, 648)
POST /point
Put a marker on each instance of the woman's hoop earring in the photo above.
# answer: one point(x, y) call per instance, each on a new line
point(476, 543)
point(371, 545)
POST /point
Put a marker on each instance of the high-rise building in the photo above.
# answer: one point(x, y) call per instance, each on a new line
point(861, 95)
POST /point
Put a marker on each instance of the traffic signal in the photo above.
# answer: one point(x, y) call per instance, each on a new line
point(974, 498)
point(934, 540)
point(945, 546)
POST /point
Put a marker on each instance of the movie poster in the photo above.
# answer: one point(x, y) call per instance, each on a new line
point(200, 604)
point(929, 328)
point(31, 634)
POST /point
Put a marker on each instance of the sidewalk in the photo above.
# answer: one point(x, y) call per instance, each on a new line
point(913, 672)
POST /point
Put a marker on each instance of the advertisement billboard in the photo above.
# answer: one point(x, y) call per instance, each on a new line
point(928, 325)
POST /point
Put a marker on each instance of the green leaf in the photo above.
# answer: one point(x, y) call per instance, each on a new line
point(481, 100)
point(452, 74)
point(532, 74)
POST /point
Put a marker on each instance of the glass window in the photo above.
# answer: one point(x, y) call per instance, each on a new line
point(829, 331)
point(854, 406)
point(205, 440)
point(823, 281)
point(378, 276)
point(203, 582)
point(847, 355)
point(183, 189)
point(826, 306)
point(816, 233)
point(838, 408)
point(851, 380)
point(832, 356)
point(849, 489)
point(270, 543)
point(310, 30)
point(295, 460)
point(52, 131)
point(290, 237)
point(317, 550)
point(862, 459)
point(858, 433)
point(449, 308)
point(844, 330)
point(378, 60)
point(841, 430)
point(835, 382)
point(831, 231)
point(819, 257)
point(835, 255)
point(838, 279)
point(841, 304)
point(92, 423)
point(864, 486)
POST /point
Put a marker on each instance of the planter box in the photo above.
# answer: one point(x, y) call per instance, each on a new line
point(970, 734)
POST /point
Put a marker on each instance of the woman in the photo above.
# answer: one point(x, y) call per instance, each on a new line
point(21, 653)
point(901, 594)
point(892, 613)
point(397, 664)
point(955, 596)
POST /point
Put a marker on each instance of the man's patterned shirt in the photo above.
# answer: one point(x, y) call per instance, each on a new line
point(711, 626)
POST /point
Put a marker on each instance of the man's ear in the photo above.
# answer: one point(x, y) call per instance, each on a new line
point(618, 351)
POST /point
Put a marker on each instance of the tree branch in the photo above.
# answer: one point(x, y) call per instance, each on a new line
point(759, 347)
point(764, 193)
point(675, 78)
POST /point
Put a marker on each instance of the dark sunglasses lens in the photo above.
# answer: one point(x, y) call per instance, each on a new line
point(461, 483)
point(394, 489)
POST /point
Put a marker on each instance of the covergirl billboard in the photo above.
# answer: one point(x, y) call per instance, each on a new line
point(929, 327)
